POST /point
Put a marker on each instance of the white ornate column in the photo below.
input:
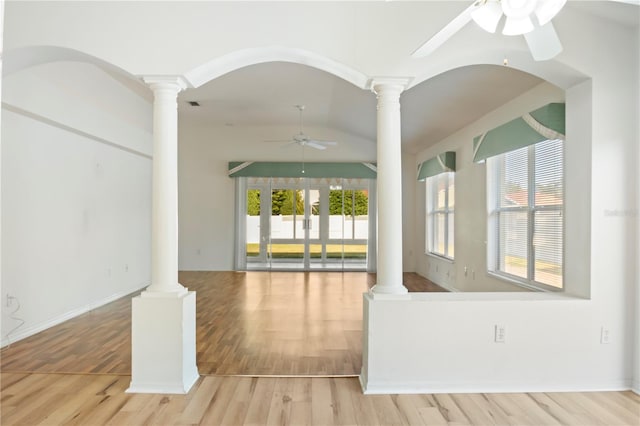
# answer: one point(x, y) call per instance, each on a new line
point(164, 215)
point(389, 190)
point(164, 316)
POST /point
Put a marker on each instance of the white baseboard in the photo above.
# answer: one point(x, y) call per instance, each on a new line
point(447, 287)
point(635, 387)
point(388, 387)
point(30, 331)
point(362, 378)
point(437, 282)
point(179, 388)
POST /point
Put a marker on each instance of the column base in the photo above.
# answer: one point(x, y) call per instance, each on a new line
point(173, 291)
point(389, 289)
point(163, 388)
point(163, 344)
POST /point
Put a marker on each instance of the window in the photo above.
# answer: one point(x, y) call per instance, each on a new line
point(440, 207)
point(526, 199)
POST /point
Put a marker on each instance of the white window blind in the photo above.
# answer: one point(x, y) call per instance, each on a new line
point(440, 214)
point(526, 214)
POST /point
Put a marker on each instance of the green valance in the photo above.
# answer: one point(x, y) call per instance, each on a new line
point(540, 125)
point(442, 163)
point(297, 169)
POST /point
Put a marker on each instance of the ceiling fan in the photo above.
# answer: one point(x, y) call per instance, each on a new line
point(303, 140)
point(531, 18)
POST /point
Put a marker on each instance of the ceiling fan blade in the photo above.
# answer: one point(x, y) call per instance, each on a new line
point(444, 34)
point(314, 144)
point(543, 42)
point(321, 142)
point(289, 144)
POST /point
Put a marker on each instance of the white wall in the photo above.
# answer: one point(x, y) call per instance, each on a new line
point(453, 350)
point(635, 310)
point(409, 208)
point(1, 63)
point(372, 37)
point(206, 193)
point(636, 384)
point(76, 178)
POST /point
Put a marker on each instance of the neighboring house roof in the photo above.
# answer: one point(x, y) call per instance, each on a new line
point(520, 198)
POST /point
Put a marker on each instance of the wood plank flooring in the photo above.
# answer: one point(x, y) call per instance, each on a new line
point(258, 323)
point(52, 399)
point(248, 323)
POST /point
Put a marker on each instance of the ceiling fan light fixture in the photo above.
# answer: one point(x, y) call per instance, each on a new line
point(517, 26)
point(546, 10)
point(518, 8)
point(543, 42)
point(487, 15)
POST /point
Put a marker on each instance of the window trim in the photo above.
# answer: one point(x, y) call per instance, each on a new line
point(493, 249)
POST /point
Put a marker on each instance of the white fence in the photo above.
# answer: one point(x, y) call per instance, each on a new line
point(282, 227)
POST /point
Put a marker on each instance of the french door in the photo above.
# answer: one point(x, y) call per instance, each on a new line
point(308, 224)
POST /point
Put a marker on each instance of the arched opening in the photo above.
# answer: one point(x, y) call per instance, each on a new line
point(253, 56)
point(308, 322)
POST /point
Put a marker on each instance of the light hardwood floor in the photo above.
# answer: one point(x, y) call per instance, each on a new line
point(252, 323)
point(258, 323)
point(52, 399)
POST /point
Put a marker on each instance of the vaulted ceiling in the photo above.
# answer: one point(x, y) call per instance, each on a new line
point(265, 94)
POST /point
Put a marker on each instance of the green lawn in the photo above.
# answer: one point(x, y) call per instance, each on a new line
point(546, 272)
point(552, 268)
point(296, 251)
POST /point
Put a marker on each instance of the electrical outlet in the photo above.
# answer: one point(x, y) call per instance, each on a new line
point(9, 299)
point(605, 336)
point(500, 334)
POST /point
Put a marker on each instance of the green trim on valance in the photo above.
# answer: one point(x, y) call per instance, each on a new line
point(295, 169)
point(442, 163)
point(540, 125)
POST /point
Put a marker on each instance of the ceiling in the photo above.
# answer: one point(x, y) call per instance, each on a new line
point(266, 95)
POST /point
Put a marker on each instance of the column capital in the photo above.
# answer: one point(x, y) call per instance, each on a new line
point(375, 84)
point(175, 82)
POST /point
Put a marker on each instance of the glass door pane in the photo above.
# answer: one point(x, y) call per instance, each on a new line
point(348, 227)
point(286, 247)
point(335, 248)
point(314, 205)
point(356, 208)
point(255, 251)
point(307, 224)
